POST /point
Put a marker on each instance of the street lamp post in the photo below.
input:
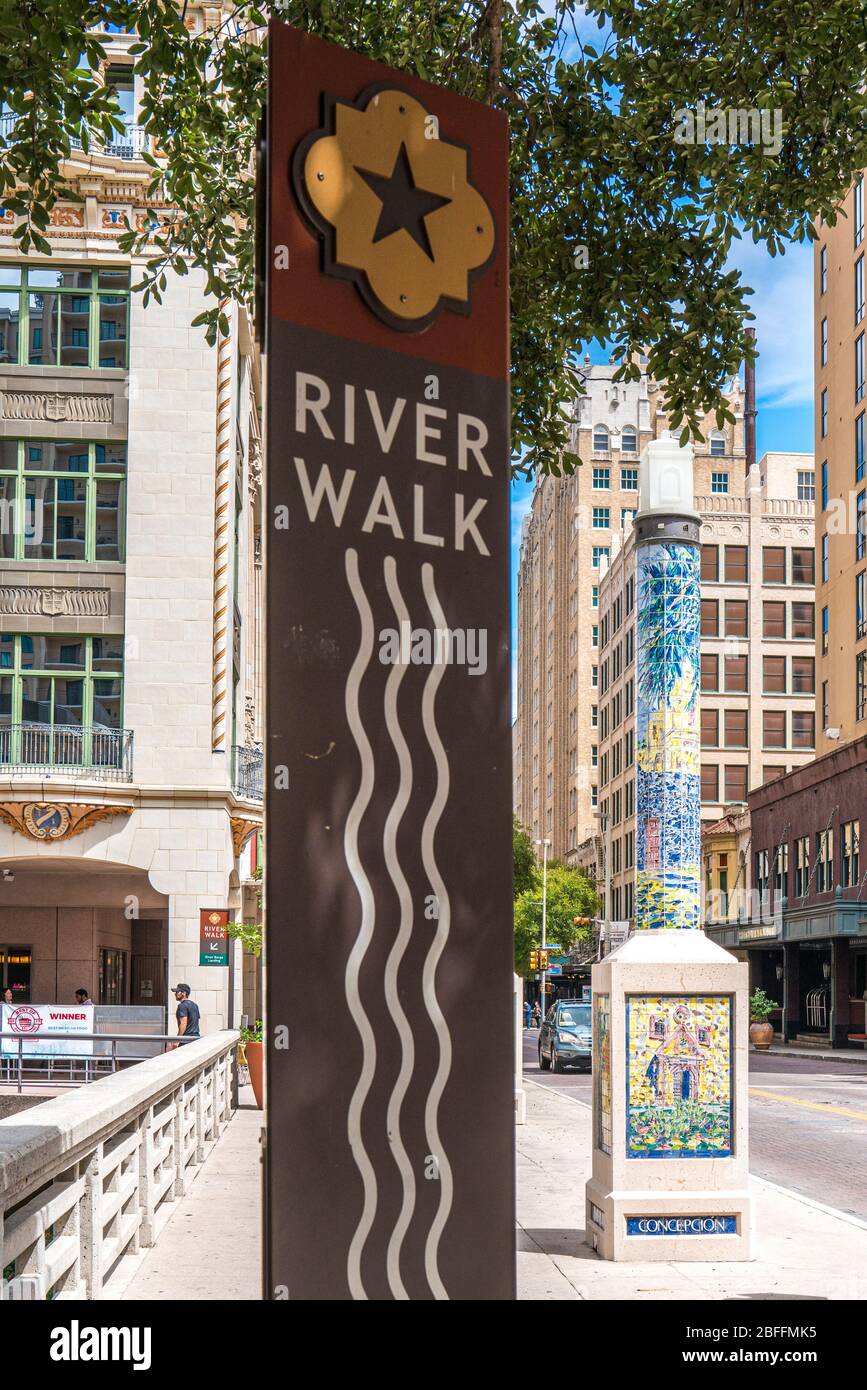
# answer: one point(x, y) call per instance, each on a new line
point(546, 845)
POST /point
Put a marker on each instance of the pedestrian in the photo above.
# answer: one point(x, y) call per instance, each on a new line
point(528, 1013)
point(537, 1015)
point(8, 997)
point(187, 1014)
point(82, 996)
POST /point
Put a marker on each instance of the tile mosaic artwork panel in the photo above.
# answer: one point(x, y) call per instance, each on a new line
point(679, 1076)
point(668, 741)
point(602, 1070)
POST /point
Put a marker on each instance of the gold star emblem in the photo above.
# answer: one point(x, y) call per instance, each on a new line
point(395, 207)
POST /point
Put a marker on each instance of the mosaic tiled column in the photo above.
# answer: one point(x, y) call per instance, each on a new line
point(670, 1009)
point(668, 744)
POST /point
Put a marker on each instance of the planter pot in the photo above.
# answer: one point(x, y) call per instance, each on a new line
point(761, 1036)
point(254, 1066)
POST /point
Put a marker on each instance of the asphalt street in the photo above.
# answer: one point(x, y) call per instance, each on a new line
point(808, 1122)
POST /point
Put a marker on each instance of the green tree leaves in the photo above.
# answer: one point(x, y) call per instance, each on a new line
point(570, 895)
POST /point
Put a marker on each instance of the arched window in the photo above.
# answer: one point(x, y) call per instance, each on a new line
point(629, 441)
point(600, 439)
point(717, 444)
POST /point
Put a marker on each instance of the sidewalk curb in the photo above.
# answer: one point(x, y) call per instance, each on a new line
point(841, 1054)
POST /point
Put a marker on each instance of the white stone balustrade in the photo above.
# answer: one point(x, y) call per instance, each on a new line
point(94, 1175)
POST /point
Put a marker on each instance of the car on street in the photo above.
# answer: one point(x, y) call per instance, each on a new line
point(565, 1036)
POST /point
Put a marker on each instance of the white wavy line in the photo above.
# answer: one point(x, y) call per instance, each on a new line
point(396, 954)
point(365, 932)
point(431, 1110)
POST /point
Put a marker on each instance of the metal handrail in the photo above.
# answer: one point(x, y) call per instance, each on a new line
point(75, 750)
point(48, 1062)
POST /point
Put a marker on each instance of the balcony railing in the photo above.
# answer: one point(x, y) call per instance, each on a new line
point(247, 772)
point(92, 753)
point(125, 144)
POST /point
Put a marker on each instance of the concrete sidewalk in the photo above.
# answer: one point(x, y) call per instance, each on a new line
point(817, 1054)
point(210, 1248)
point(804, 1250)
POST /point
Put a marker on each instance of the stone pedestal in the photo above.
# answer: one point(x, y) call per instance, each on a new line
point(670, 1180)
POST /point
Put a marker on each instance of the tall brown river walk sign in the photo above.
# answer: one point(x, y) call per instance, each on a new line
point(390, 1146)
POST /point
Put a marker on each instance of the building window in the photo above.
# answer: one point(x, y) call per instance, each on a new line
point(629, 479)
point(825, 716)
point(594, 677)
point(803, 565)
point(595, 642)
point(774, 675)
point(861, 526)
point(736, 618)
point(851, 835)
point(628, 444)
point(804, 620)
point(774, 728)
point(803, 729)
point(860, 685)
point(594, 797)
point(594, 598)
point(824, 861)
point(860, 606)
point(70, 497)
point(600, 552)
point(860, 447)
point(710, 728)
point(825, 631)
point(859, 368)
point(736, 675)
point(824, 344)
point(825, 486)
point(859, 289)
point(781, 869)
point(62, 697)
point(736, 733)
point(709, 617)
point(600, 440)
point(594, 716)
point(774, 564)
point(710, 564)
point(802, 866)
point(763, 877)
point(719, 482)
point(825, 569)
point(64, 316)
point(709, 671)
point(858, 209)
point(773, 619)
point(709, 782)
point(806, 486)
point(823, 270)
point(823, 411)
point(736, 782)
point(803, 675)
point(771, 773)
point(717, 451)
point(601, 478)
point(601, 518)
point(736, 564)
point(628, 515)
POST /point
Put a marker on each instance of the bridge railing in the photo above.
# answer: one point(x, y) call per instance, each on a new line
point(94, 1175)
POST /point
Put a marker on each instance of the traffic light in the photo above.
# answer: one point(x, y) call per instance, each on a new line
point(534, 960)
point(543, 960)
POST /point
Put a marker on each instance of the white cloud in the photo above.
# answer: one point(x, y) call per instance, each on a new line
point(783, 306)
point(519, 509)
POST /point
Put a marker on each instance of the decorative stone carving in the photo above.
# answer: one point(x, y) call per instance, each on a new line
point(241, 831)
point(56, 405)
point(55, 820)
point(255, 468)
point(50, 603)
point(67, 217)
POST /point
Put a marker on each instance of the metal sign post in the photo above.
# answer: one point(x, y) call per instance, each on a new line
point(389, 880)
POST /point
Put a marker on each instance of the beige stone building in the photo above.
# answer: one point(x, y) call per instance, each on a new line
point(573, 527)
point(841, 453)
point(757, 656)
point(130, 566)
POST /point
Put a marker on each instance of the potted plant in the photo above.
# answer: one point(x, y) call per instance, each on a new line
point(761, 1031)
point(251, 1042)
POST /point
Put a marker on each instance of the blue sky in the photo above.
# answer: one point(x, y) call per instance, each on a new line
point(783, 306)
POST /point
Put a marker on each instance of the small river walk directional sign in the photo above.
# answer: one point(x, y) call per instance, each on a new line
point(390, 1143)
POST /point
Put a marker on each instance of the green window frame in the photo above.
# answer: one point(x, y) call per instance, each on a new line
point(18, 662)
point(21, 478)
point(92, 314)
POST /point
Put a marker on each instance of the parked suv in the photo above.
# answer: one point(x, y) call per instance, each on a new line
point(564, 1038)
